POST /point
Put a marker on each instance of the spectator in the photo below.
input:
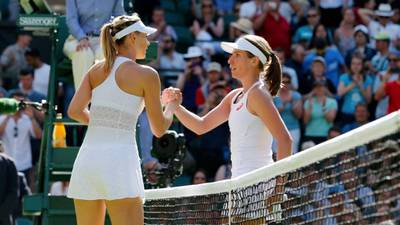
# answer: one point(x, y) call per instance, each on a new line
point(289, 104)
point(363, 10)
point(273, 27)
point(304, 33)
point(15, 132)
point(240, 27)
point(192, 77)
point(251, 9)
point(317, 74)
point(161, 25)
point(8, 188)
point(296, 62)
point(354, 87)
point(344, 35)
point(334, 132)
point(41, 74)
point(380, 62)
point(26, 79)
point(13, 60)
point(391, 88)
point(319, 113)
point(170, 62)
point(320, 45)
point(361, 116)
point(214, 77)
point(199, 177)
point(208, 28)
point(224, 7)
point(361, 38)
point(391, 74)
point(9, 10)
point(383, 23)
point(84, 20)
point(286, 69)
point(331, 12)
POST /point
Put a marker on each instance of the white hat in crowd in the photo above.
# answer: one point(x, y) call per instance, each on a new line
point(384, 10)
point(243, 24)
point(193, 52)
point(361, 28)
point(214, 66)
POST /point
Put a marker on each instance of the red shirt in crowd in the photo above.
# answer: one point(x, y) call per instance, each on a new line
point(276, 32)
point(392, 89)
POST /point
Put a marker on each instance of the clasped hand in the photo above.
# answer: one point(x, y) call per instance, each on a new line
point(171, 97)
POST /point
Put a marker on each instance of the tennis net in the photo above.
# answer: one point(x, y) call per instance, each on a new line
point(351, 179)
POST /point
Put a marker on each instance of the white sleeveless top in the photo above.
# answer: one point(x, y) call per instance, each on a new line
point(108, 164)
point(251, 141)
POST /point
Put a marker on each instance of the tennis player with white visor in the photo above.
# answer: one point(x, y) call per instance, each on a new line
point(253, 119)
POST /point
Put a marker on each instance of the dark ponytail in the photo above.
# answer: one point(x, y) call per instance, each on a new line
point(273, 75)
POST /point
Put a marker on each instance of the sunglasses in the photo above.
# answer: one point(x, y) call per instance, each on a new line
point(286, 82)
point(207, 6)
point(393, 59)
point(167, 41)
point(312, 15)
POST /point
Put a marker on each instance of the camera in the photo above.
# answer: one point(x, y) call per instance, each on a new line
point(170, 150)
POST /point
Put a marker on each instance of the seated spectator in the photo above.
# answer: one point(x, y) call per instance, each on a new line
point(12, 60)
point(319, 113)
point(272, 26)
point(239, 28)
point(318, 68)
point(290, 106)
point(391, 88)
point(26, 79)
point(192, 77)
point(380, 60)
point(321, 45)
point(286, 69)
point(9, 188)
point(208, 28)
point(251, 9)
point(354, 87)
point(161, 25)
point(295, 61)
point(361, 38)
point(382, 23)
point(334, 132)
point(214, 78)
point(344, 34)
point(391, 74)
point(84, 23)
point(41, 73)
point(304, 33)
point(361, 115)
point(199, 177)
point(170, 63)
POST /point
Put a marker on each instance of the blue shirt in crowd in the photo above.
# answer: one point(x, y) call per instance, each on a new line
point(318, 126)
point(354, 96)
point(287, 114)
point(88, 16)
point(334, 60)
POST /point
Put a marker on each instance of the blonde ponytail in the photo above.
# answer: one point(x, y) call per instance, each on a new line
point(108, 45)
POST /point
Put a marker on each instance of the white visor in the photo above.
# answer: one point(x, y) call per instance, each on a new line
point(245, 45)
point(138, 26)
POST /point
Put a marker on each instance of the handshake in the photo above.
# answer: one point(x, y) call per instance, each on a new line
point(171, 98)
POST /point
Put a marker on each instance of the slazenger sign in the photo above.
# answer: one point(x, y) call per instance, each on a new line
point(38, 21)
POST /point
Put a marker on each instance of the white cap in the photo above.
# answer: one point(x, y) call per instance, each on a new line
point(245, 45)
point(194, 51)
point(361, 28)
point(138, 26)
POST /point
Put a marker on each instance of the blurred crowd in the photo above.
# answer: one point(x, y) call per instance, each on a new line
point(340, 62)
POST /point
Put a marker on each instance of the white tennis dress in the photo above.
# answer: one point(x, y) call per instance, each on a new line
point(251, 141)
point(108, 164)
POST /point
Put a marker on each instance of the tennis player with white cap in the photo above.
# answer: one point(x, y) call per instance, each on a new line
point(107, 172)
point(253, 119)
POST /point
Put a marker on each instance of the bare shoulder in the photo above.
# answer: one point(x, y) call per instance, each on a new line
point(229, 97)
point(258, 94)
point(143, 71)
